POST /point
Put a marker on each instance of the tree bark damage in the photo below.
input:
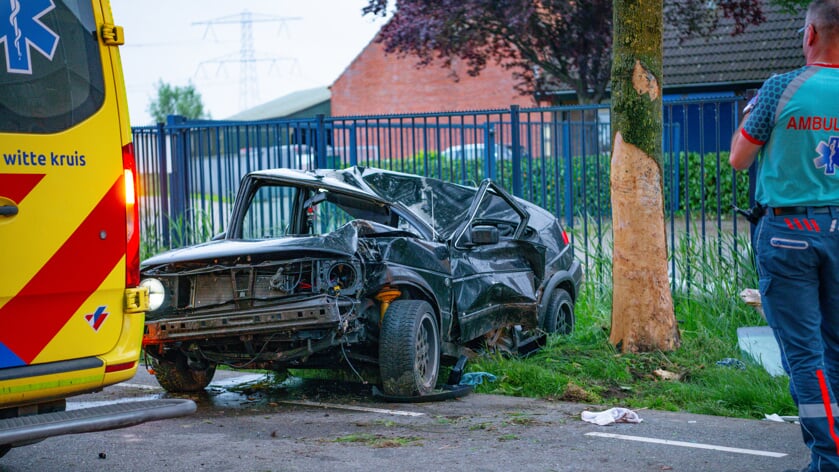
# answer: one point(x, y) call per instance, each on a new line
point(642, 304)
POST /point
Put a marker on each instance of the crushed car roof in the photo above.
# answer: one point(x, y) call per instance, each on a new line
point(442, 205)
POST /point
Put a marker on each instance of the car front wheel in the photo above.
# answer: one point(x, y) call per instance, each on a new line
point(409, 349)
point(176, 376)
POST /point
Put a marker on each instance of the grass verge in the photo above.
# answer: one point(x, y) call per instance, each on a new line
point(585, 367)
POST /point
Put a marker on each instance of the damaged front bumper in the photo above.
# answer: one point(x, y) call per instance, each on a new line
point(319, 312)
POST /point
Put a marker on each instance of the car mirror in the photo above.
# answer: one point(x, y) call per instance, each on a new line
point(483, 234)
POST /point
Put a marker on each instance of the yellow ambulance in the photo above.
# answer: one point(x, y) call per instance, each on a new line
point(71, 309)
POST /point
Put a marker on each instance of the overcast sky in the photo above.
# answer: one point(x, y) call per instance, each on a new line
point(296, 45)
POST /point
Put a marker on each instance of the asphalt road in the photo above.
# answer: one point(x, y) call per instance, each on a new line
point(329, 425)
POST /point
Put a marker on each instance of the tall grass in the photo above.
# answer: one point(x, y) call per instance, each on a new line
point(585, 367)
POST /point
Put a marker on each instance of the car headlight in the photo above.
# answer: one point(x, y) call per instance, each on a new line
point(157, 293)
point(341, 276)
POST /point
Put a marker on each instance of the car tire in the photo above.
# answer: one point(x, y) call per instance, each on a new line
point(409, 349)
point(559, 317)
point(177, 377)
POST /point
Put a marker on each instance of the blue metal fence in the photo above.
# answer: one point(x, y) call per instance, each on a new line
point(557, 157)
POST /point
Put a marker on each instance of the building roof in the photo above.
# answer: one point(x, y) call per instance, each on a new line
point(285, 106)
point(734, 62)
point(726, 63)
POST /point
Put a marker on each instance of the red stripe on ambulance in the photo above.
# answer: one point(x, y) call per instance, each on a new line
point(17, 186)
point(38, 312)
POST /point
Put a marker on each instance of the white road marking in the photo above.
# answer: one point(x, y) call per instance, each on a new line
point(353, 407)
point(141, 386)
point(689, 444)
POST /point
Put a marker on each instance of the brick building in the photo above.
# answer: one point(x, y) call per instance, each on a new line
point(379, 83)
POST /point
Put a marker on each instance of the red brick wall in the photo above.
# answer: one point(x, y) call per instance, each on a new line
point(376, 83)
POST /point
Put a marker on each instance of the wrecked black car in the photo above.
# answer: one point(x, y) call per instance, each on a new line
point(359, 268)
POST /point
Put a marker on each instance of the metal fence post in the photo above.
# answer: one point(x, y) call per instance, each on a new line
point(677, 150)
point(569, 172)
point(163, 180)
point(515, 137)
point(353, 146)
point(321, 141)
point(489, 158)
point(180, 179)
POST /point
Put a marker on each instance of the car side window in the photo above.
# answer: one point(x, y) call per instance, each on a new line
point(269, 214)
point(326, 217)
point(494, 211)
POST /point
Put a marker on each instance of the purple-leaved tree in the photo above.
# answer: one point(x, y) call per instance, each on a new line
point(546, 44)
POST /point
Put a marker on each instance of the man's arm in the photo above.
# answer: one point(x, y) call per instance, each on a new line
point(743, 150)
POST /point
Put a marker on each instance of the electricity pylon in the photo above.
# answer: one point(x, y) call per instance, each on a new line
point(248, 57)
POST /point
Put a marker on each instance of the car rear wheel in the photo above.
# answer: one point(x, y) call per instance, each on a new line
point(559, 317)
point(409, 349)
point(176, 376)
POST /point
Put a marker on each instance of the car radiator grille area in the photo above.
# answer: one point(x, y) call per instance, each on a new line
point(247, 287)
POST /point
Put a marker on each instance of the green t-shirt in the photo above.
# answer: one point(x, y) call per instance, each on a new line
point(797, 120)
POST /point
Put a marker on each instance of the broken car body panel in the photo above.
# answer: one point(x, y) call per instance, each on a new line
point(312, 261)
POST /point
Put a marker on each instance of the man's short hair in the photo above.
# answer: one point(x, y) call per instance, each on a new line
point(824, 14)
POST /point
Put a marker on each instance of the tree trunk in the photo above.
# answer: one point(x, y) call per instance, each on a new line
point(642, 305)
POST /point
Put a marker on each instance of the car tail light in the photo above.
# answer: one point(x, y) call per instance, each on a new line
point(565, 238)
point(132, 218)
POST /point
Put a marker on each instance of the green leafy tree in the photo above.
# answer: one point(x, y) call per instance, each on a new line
point(177, 100)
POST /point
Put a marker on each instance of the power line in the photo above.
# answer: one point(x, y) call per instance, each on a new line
point(248, 58)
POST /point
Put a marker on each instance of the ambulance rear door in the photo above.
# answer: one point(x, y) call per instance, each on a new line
point(63, 230)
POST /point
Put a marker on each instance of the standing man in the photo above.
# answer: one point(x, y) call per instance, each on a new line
point(795, 120)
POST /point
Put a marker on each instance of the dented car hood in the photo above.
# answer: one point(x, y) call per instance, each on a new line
point(341, 243)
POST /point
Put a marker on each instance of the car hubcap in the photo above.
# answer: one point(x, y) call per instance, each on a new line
point(424, 351)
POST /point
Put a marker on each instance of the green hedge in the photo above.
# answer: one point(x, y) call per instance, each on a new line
point(713, 188)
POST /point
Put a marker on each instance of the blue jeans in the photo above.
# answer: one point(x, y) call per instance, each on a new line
point(798, 267)
point(785, 365)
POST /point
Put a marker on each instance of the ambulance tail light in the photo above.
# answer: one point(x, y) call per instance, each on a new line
point(119, 367)
point(132, 218)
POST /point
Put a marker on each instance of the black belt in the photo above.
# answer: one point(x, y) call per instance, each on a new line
point(801, 210)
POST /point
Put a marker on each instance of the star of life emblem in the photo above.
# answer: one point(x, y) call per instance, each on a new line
point(21, 31)
point(828, 155)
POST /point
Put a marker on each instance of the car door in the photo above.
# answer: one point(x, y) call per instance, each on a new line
point(495, 271)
